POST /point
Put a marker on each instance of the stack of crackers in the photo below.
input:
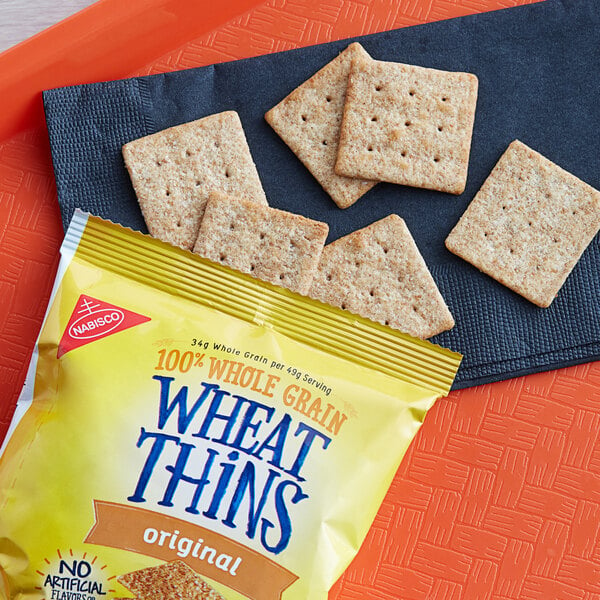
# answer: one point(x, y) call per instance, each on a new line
point(174, 171)
point(356, 122)
point(198, 189)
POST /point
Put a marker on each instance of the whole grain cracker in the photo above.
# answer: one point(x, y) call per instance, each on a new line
point(168, 581)
point(408, 125)
point(271, 244)
point(528, 225)
point(378, 272)
point(173, 172)
point(308, 120)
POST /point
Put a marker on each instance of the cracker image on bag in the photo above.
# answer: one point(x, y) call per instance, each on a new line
point(174, 170)
point(528, 225)
point(308, 120)
point(192, 432)
point(169, 581)
point(407, 124)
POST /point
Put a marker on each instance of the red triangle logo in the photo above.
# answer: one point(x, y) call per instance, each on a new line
point(94, 319)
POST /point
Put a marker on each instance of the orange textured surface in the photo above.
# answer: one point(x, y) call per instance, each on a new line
point(499, 495)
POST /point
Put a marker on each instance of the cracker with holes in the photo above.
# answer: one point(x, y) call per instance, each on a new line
point(173, 172)
point(408, 125)
point(168, 581)
point(528, 225)
point(378, 272)
point(271, 244)
point(309, 119)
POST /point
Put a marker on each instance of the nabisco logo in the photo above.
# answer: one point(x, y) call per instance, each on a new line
point(93, 319)
point(96, 324)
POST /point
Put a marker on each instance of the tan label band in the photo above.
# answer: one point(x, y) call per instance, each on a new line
point(209, 553)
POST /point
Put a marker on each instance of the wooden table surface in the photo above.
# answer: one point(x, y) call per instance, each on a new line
point(20, 19)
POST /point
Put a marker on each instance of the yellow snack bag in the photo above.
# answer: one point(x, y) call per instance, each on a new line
point(187, 431)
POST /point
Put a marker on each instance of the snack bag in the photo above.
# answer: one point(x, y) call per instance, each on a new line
point(187, 431)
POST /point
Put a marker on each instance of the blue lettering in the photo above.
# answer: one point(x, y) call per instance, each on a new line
point(248, 424)
point(279, 434)
point(241, 425)
point(213, 413)
point(247, 483)
point(285, 523)
point(222, 486)
point(178, 475)
point(311, 434)
point(160, 439)
point(184, 418)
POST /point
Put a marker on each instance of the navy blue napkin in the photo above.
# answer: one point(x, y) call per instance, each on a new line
point(538, 67)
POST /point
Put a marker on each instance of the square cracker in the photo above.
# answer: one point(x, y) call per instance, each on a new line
point(528, 225)
point(169, 581)
point(408, 125)
point(378, 272)
point(309, 119)
point(271, 244)
point(173, 172)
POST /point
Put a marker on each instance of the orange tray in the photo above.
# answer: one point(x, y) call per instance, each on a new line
point(499, 495)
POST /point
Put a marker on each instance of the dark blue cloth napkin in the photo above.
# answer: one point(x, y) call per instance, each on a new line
point(539, 72)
